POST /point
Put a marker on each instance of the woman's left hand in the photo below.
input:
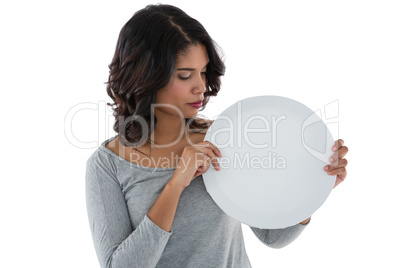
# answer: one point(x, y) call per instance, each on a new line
point(337, 166)
point(338, 163)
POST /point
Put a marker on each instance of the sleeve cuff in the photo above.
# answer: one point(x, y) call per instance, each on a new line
point(156, 228)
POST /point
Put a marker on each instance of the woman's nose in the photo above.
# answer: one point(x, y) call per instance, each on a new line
point(200, 85)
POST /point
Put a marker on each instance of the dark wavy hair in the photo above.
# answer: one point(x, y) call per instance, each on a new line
point(144, 62)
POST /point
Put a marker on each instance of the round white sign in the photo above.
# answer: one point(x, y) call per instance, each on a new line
point(273, 153)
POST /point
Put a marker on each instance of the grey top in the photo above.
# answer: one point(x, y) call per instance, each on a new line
point(119, 195)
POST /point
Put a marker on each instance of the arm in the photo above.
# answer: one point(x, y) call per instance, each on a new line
point(117, 243)
point(279, 238)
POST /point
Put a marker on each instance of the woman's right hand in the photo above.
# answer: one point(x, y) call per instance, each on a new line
point(194, 161)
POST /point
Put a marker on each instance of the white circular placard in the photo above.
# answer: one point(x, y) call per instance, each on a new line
point(274, 151)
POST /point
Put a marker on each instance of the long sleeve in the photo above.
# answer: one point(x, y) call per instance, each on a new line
point(279, 238)
point(118, 243)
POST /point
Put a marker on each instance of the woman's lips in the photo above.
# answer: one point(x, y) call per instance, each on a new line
point(196, 104)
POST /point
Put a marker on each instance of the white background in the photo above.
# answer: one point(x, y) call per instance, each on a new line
point(54, 56)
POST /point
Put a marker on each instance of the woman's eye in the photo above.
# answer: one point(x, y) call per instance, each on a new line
point(188, 77)
point(184, 78)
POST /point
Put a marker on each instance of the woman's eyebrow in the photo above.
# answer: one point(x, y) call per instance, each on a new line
point(190, 69)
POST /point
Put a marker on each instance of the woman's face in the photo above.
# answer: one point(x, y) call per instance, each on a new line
point(187, 84)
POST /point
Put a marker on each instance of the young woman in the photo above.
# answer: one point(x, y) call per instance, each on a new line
point(146, 201)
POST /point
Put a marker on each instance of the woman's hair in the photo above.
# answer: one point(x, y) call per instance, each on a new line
point(144, 62)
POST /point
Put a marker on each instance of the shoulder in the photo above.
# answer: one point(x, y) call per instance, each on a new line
point(101, 161)
point(113, 145)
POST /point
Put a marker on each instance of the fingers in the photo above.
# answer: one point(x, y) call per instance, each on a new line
point(205, 163)
point(339, 154)
point(207, 144)
point(211, 151)
point(341, 172)
point(339, 149)
point(340, 175)
point(209, 156)
point(337, 144)
point(338, 164)
point(336, 160)
point(203, 168)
